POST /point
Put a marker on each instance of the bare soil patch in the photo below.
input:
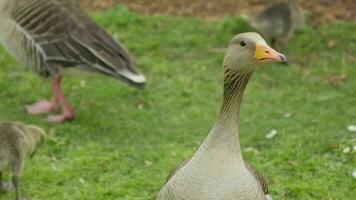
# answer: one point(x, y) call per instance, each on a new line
point(321, 10)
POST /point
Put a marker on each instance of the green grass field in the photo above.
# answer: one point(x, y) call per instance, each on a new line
point(124, 141)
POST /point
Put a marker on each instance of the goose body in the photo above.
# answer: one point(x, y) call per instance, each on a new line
point(279, 21)
point(217, 171)
point(50, 35)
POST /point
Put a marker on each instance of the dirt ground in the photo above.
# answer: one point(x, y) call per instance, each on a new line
point(321, 10)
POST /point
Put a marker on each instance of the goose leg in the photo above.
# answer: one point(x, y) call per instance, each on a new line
point(45, 106)
point(16, 167)
point(68, 111)
point(16, 183)
point(4, 186)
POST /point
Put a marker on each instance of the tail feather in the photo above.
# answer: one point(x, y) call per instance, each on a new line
point(116, 63)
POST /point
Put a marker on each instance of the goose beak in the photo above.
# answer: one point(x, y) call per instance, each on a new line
point(265, 54)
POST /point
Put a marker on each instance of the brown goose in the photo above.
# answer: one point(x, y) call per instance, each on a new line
point(217, 171)
point(51, 35)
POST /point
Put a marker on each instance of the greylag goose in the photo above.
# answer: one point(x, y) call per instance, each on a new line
point(279, 21)
point(217, 171)
point(17, 143)
point(51, 35)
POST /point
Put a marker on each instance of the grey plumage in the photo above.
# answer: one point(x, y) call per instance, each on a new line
point(261, 180)
point(17, 143)
point(217, 170)
point(49, 35)
point(279, 21)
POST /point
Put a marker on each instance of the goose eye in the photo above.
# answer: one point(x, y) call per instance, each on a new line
point(243, 43)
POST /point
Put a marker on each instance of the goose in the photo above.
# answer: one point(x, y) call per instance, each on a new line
point(18, 142)
point(217, 170)
point(49, 36)
point(279, 21)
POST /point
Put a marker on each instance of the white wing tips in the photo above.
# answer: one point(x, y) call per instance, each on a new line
point(135, 79)
point(140, 79)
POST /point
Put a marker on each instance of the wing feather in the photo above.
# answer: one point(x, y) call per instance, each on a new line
point(259, 177)
point(61, 33)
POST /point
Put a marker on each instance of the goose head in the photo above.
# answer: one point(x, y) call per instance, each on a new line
point(247, 51)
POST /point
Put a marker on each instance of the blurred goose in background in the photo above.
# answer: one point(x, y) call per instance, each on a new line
point(217, 171)
point(279, 21)
point(51, 35)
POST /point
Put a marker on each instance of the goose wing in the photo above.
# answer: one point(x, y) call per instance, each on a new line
point(62, 34)
point(176, 169)
point(261, 180)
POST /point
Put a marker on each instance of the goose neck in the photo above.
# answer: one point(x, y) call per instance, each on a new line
point(224, 135)
point(235, 83)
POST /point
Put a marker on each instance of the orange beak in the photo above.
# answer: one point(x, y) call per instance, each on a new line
point(265, 54)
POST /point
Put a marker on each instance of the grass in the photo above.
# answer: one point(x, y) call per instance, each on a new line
point(124, 142)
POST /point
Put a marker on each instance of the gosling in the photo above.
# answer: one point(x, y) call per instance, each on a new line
point(18, 142)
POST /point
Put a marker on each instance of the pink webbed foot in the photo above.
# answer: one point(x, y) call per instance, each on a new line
point(66, 116)
point(41, 107)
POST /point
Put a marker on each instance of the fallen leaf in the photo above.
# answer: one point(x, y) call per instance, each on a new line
point(292, 162)
point(288, 115)
point(174, 154)
point(346, 150)
point(82, 181)
point(330, 44)
point(83, 83)
point(351, 128)
point(249, 149)
point(140, 106)
point(148, 163)
point(271, 134)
